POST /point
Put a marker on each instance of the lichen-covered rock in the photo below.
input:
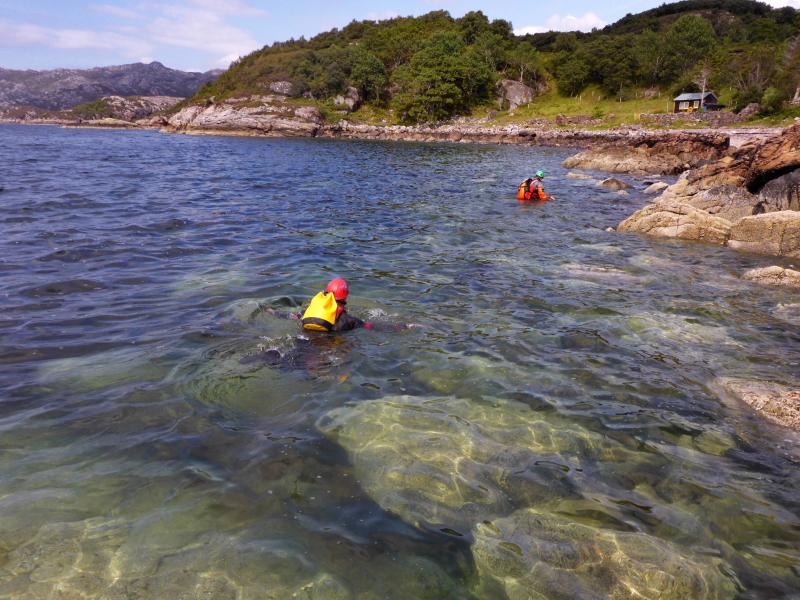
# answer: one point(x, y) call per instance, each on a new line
point(774, 276)
point(667, 218)
point(536, 555)
point(285, 88)
point(727, 201)
point(775, 233)
point(777, 403)
point(450, 463)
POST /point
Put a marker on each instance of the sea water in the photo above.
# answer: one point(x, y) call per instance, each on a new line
point(550, 425)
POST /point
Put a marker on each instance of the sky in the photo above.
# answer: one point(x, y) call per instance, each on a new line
point(198, 35)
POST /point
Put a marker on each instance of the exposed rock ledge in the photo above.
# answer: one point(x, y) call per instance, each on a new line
point(774, 276)
point(749, 200)
point(274, 115)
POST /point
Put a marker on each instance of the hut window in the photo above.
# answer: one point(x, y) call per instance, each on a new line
point(683, 106)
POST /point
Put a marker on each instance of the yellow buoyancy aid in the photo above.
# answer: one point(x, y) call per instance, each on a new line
point(321, 312)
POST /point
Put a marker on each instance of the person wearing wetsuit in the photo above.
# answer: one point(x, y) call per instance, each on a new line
point(323, 315)
point(536, 191)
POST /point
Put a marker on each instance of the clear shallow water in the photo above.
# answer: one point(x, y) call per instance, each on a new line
point(553, 428)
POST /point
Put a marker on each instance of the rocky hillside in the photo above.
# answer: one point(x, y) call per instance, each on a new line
point(65, 88)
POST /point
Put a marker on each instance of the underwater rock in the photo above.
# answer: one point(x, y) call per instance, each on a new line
point(612, 183)
point(450, 463)
point(774, 275)
point(777, 403)
point(579, 176)
point(538, 555)
point(672, 219)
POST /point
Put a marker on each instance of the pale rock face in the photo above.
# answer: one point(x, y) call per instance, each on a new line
point(669, 218)
point(769, 233)
point(284, 88)
point(513, 94)
point(350, 101)
point(264, 119)
point(654, 188)
point(774, 276)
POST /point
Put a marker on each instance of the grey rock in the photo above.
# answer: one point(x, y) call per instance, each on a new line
point(284, 88)
point(513, 94)
point(350, 101)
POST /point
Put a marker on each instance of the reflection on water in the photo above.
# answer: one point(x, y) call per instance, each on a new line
point(551, 427)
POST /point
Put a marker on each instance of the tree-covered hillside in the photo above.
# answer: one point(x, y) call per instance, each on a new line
point(434, 67)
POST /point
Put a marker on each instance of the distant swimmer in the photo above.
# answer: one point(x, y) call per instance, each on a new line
point(531, 189)
point(327, 311)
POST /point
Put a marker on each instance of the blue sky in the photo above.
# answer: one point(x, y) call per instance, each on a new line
point(198, 35)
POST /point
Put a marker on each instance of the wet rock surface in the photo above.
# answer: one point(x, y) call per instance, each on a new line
point(756, 189)
point(532, 554)
point(669, 218)
point(780, 404)
point(774, 276)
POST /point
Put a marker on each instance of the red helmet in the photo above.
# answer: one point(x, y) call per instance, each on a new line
point(339, 288)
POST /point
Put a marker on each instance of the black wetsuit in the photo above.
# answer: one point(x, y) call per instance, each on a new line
point(345, 322)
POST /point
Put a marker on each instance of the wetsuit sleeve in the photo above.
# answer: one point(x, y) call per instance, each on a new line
point(345, 323)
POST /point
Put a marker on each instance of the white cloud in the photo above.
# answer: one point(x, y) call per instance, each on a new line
point(232, 7)
point(24, 34)
point(201, 25)
point(200, 29)
point(586, 22)
point(779, 4)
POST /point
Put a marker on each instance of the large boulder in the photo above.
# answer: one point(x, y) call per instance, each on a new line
point(349, 101)
point(775, 157)
point(774, 275)
point(513, 94)
point(672, 219)
point(782, 193)
point(284, 88)
point(768, 233)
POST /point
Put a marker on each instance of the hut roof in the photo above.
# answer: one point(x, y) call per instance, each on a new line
point(693, 96)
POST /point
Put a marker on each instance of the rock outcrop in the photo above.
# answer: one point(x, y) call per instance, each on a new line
point(774, 276)
point(672, 219)
point(662, 155)
point(263, 115)
point(753, 194)
point(769, 233)
point(350, 101)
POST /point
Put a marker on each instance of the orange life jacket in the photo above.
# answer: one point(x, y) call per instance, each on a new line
point(524, 190)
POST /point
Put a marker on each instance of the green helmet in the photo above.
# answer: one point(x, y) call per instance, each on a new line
point(540, 174)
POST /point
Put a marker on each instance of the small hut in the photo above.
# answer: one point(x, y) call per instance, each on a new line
point(696, 101)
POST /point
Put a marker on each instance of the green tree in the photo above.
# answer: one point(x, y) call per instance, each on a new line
point(690, 39)
point(443, 79)
point(572, 72)
point(525, 63)
point(367, 73)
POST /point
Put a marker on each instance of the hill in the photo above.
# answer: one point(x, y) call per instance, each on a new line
point(64, 88)
point(434, 67)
